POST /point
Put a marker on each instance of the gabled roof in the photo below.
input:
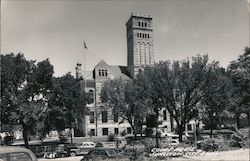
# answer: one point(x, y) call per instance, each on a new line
point(118, 72)
point(101, 63)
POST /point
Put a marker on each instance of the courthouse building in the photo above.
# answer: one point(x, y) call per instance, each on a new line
point(99, 119)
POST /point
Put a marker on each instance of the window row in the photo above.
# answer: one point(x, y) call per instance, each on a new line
point(115, 118)
point(104, 117)
point(103, 73)
point(142, 35)
point(105, 131)
point(142, 24)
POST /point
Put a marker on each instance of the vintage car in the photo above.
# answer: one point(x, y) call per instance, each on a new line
point(103, 154)
point(16, 154)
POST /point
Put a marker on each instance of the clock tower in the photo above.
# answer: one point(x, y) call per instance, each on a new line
point(139, 43)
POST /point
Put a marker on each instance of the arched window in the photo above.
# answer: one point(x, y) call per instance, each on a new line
point(145, 24)
point(142, 24)
point(139, 23)
point(138, 35)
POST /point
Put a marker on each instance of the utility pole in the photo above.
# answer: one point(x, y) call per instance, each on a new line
point(96, 133)
point(195, 136)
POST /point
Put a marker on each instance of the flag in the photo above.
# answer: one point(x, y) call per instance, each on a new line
point(85, 46)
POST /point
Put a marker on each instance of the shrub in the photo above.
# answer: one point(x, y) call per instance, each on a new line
point(149, 143)
point(111, 137)
point(234, 143)
point(208, 145)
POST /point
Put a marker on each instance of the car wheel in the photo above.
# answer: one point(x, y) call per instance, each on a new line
point(72, 154)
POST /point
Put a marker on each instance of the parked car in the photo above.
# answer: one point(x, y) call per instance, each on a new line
point(59, 152)
point(103, 154)
point(84, 148)
point(88, 145)
point(8, 153)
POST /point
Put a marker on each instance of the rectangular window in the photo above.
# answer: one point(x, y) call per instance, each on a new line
point(116, 130)
point(19, 156)
point(105, 131)
point(104, 116)
point(164, 115)
point(106, 73)
point(100, 74)
point(92, 132)
point(189, 127)
point(129, 130)
point(115, 117)
point(92, 117)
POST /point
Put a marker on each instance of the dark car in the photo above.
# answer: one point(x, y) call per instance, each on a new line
point(59, 151)
point(16, 154)
point(102, 154)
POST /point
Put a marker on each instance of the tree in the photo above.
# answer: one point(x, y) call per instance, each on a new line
point(67, 103)
point(240, 74)
point(178, 87)
point(127, 101)
point(216, 97)
point(24, 91)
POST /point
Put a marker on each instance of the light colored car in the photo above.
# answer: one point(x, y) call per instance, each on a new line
point(88, 145)
point(10, 153)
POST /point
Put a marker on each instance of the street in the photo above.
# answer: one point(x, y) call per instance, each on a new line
point(78, 158)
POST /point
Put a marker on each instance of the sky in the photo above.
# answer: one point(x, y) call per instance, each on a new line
point(56, 29)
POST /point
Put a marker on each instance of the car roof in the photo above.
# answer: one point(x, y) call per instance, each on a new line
point(11, 149)
point(5, 149)
point(101, 148)
point(88, 142)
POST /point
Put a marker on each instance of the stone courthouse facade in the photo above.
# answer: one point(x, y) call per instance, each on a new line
point(99, 120)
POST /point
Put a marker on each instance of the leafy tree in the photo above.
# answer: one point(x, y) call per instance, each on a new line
point(178, 87)
point(66, 104)
point(127, 101)
point(24, 91)
point(216, 97)
point(240, 74)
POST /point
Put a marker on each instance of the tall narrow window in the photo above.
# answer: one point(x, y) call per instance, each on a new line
point(100, 73)
point(104, 116)
point(129, 130)
point(139, 23)
point(116, 131)
point(164, 115)
point(92, 132)
point(106, 73)
point(115, 117)
point(92, 117)
point(105, 131)
point(145, 24)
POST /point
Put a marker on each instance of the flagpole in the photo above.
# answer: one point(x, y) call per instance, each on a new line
point(85, 77)
point(85, 74)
